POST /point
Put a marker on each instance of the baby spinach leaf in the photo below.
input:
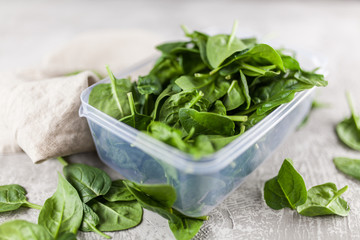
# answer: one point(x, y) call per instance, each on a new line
point(159, 203)
point(218, 108)
point(164, 194)
point(90, 221)
point(111, 98)
point(149, 84)
point(136, 120)
point(274, 195)
point(206, 123)
point(13, 197)
point(234, 97)
point(219, 141)
point(185, 228)
point(213, 87)
point(159, 199)
point(89, 182)
point(167, 134)
point(348, 166)
point(63, 212)
point(245, 89)
point(115, 216)
point(220, 47)
point(348, 130)
point(168, 47)
point(66, 236)
point(118, 192)
point(324, 200)
point(169, 112)
point(287, 189)
point(202, 146)
point(23, 230)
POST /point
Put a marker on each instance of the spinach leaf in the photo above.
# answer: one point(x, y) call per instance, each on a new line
point(13, 197)
point(169, 112)
point(90, 221)
point(168, 47)
point(136, 120)
point(219, 141)
point(220, 47)
point(201, 146)
point(115, 216)
point(23, 230)
point(206, 123)
point(66, 236)
point(118, 192)
point(348, 130)
point(245, 89)
point(218, 108)
point(324, 200)
point(159, 199)
point(185, 228)
point(167, 134)
point(348, 166)
point(234, 97)
point(111, 98)
point(163, 95)
point(213, 87)
point(287, 189)
point(63, 212)
point(261, 54)
point(149, 84)
point(89, 182)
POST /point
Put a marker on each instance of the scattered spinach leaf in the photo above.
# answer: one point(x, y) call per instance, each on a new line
point(348, 166)
point(13, 197)
point(118, 192)
point(23, 230)
point(324, 200)
point(348, 130)
point(62, 212)
point(115, 216)
point(90, 182)
point(90, 221)
point(287, 189)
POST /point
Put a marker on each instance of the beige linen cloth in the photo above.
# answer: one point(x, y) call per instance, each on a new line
point(39, 106)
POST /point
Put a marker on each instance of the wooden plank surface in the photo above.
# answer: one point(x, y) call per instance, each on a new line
point(330, 29)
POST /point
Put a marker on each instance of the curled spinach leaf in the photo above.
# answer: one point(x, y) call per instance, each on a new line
point(90, 221)
point(324, 200)
point(287, 189)
point(348, 130)
point(110, 98)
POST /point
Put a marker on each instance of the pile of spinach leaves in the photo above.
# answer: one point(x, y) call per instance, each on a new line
point(87, 200)
point(204, 92)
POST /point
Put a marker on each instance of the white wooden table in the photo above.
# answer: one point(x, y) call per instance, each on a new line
point(331, 29)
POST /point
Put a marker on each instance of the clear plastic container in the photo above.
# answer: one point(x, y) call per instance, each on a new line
point(200, 184)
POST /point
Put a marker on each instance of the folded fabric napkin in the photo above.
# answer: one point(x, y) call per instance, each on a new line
point(39, 106)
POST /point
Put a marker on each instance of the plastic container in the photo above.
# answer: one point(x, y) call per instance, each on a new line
point(201, 184)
